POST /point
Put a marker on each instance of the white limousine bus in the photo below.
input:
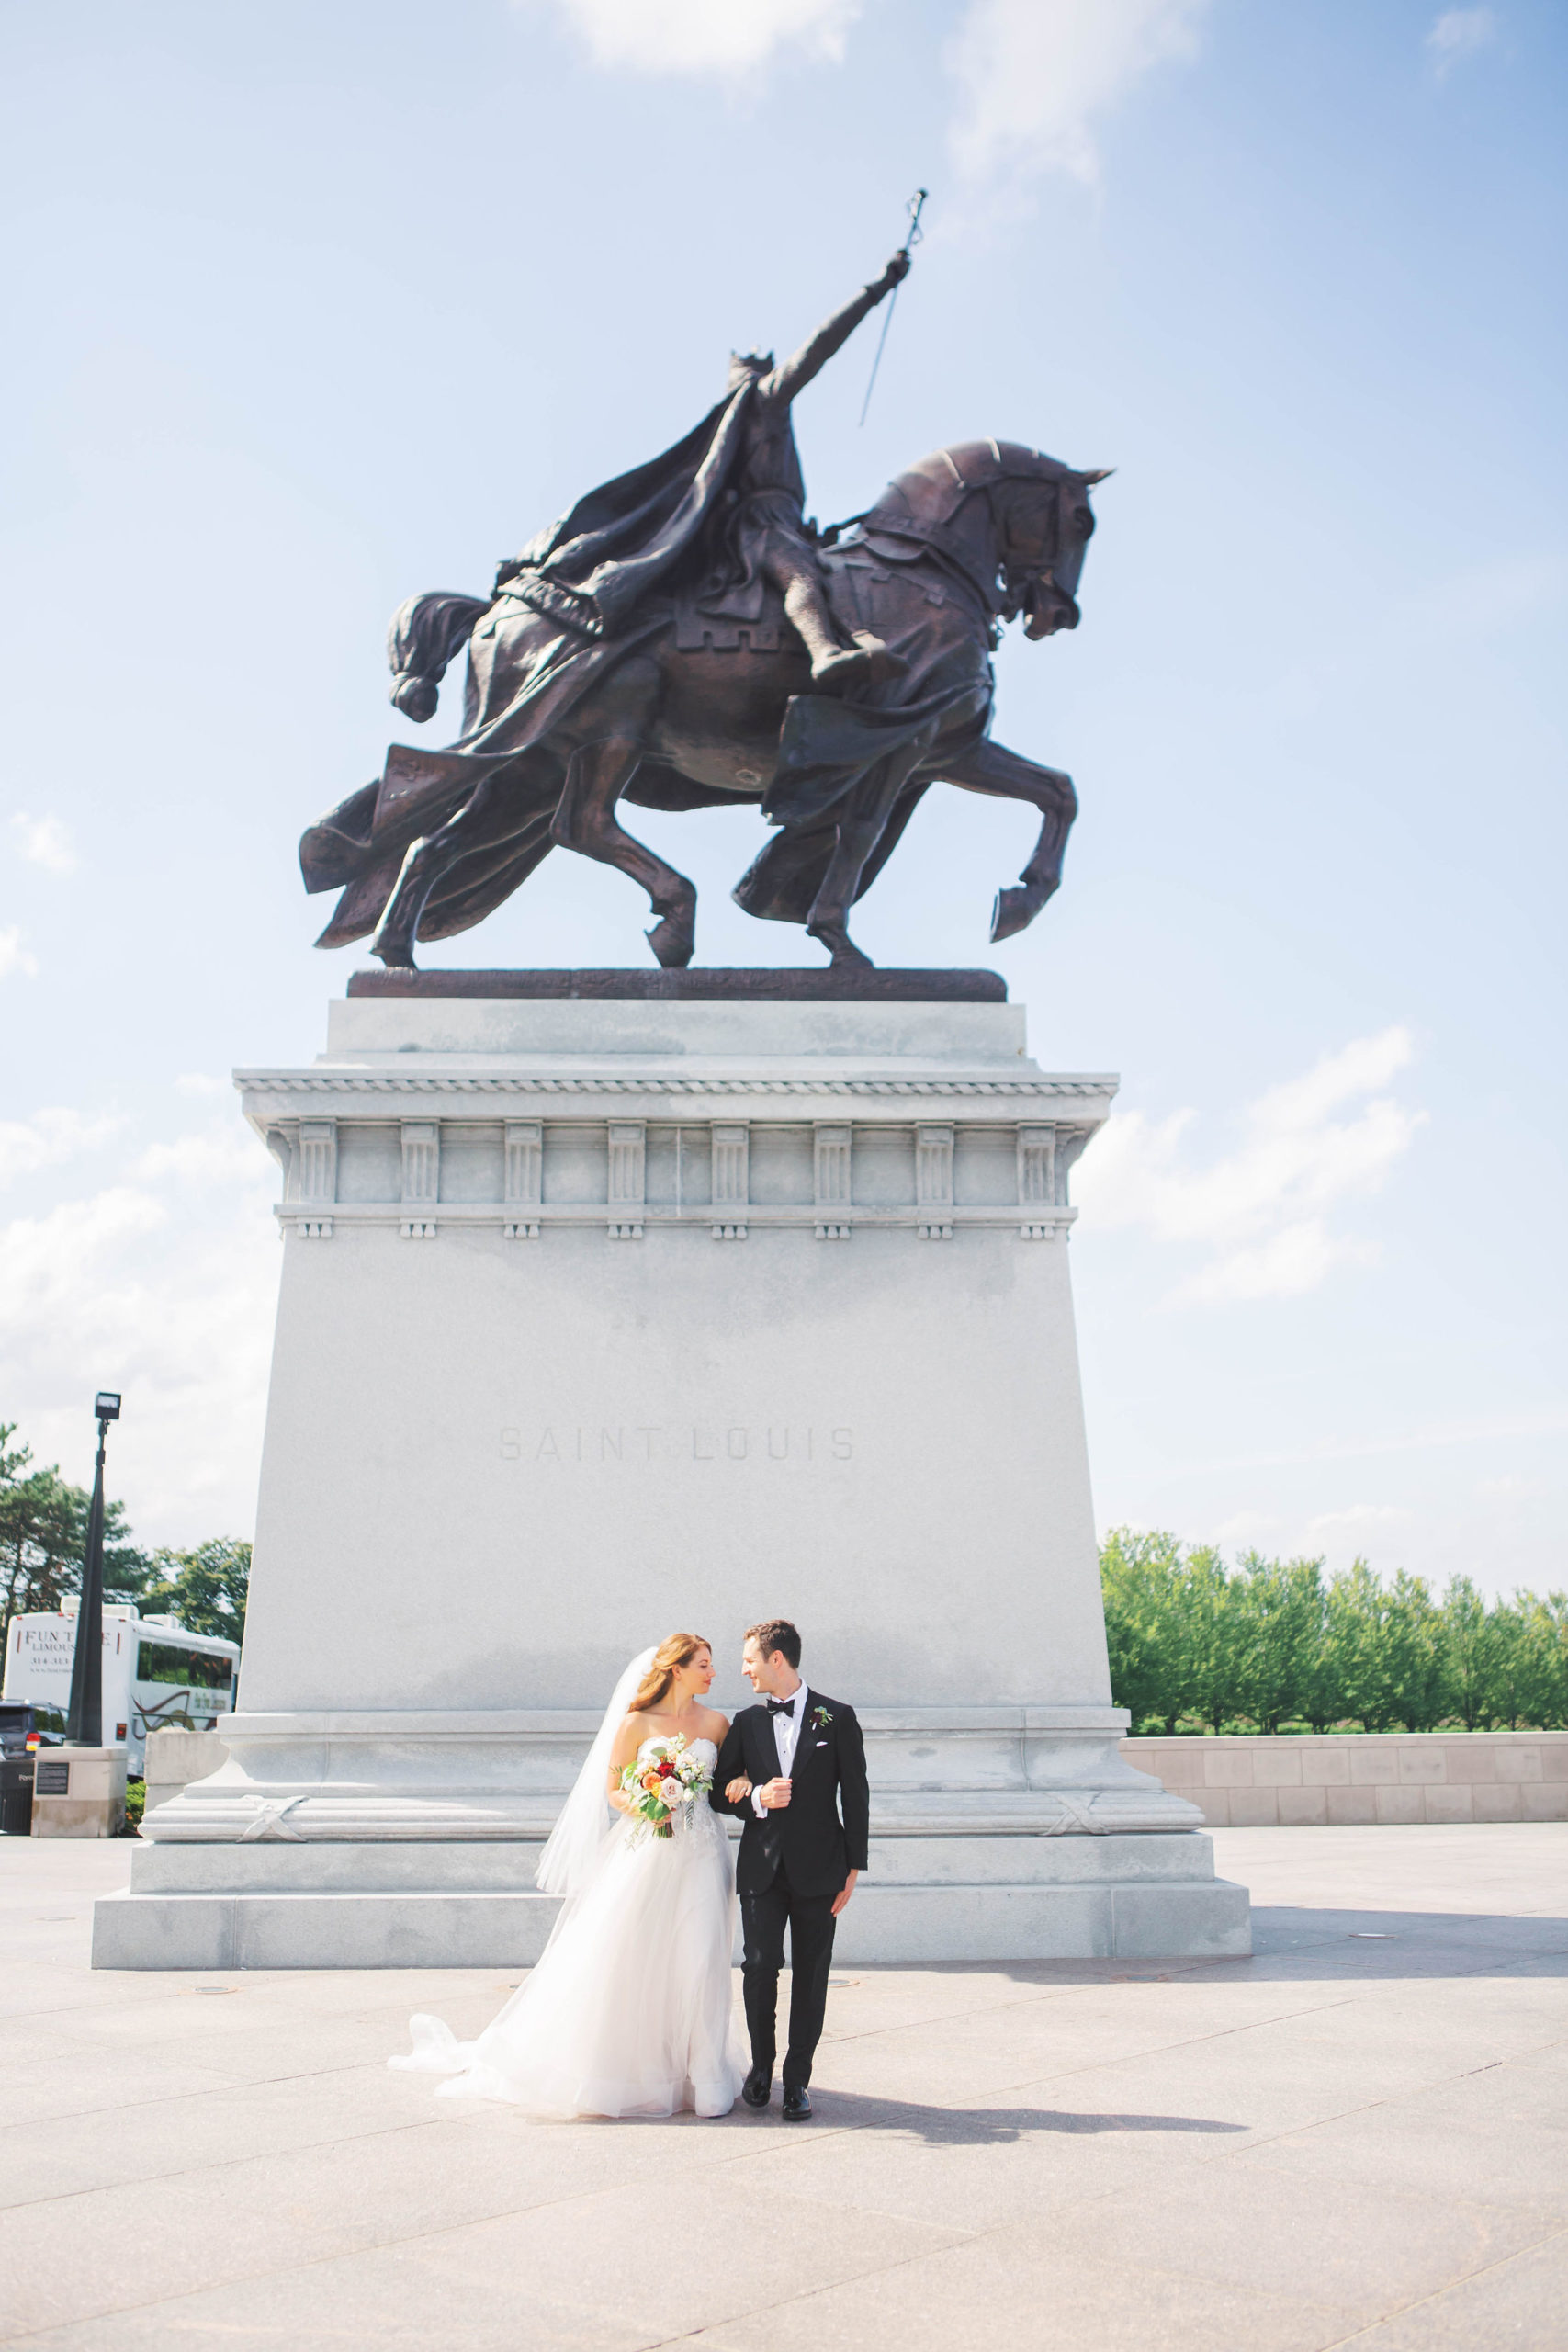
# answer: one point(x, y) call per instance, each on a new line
point(156, 1676)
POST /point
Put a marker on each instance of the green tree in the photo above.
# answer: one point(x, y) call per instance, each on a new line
point(1544, 1659)
point(1412, 1665)
point(204, 1590)
point(1278, 1608)
point(1469, 1643)
point(12, 1464)
point(1171, 1627)
point(1373, 1670)
point(1526, 1664)
point(1351, 1623)
point(1507, 1665)
point(1138, 1577)
point(1213, 1633)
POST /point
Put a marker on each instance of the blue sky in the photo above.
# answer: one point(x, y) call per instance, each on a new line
point(315, 307)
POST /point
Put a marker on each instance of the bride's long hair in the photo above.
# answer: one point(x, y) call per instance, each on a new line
point(678, 1649)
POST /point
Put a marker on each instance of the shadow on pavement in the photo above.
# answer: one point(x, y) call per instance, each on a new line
point(1340, 1942)
point(990, 2127)
point(1410, 1943)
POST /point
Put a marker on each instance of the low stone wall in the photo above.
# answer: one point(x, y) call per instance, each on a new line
point(175, 1758)
point(1290, 1781)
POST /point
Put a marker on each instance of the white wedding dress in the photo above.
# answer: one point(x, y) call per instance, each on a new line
point(628, 2011)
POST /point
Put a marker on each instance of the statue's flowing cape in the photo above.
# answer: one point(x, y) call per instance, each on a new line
point(571, 604)
point(596, 564)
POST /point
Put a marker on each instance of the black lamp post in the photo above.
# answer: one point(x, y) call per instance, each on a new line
point(85, 1724)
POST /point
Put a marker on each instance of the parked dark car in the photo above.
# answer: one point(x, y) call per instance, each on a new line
point(23, 1731)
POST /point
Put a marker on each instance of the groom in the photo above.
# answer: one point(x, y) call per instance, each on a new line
point(802, 1753)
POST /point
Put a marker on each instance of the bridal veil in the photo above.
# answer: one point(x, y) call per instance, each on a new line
point(584, 1819)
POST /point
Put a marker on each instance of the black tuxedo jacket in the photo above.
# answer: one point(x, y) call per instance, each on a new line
point(818, 1848)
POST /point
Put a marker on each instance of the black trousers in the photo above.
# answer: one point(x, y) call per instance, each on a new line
point(763, 1918)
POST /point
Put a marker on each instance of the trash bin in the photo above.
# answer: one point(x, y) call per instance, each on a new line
point(16, 1795)
point(19, 1738)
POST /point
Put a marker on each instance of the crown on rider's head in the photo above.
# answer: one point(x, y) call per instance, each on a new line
point(743, 364)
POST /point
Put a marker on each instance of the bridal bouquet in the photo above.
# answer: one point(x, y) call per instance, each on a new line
point(664, 1780)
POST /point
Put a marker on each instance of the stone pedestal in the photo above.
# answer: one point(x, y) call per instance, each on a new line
point(177, 1756)
point(606, 1315)
point(79, 1793)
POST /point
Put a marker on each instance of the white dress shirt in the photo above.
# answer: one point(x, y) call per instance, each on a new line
point(786, 1739)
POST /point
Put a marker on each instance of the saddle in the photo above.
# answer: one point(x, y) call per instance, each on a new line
point(699, 631)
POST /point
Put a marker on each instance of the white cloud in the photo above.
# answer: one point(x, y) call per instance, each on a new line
point(1290, 1262)
point(44, 841)
point(48, 1137)
point(1247, 1528)
point(225, 1155)
point(161, 1286)
point(1034, 74)
point(1511, 1488)
point(14, 956)
point(1460, 32)
point(1031, 76)
point(1439, 1437)
point(725, 39)
point(1359, 1517)
point(1259, 1216)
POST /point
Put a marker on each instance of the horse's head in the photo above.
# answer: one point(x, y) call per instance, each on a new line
point(1045, 525)
point(1016, 520)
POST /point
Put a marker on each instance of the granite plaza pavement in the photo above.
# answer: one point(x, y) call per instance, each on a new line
point(1358, 2136)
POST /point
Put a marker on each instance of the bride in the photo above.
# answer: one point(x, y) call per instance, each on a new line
point(628, 2011)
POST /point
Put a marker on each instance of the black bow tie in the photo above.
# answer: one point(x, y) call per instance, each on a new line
point(781, 1707)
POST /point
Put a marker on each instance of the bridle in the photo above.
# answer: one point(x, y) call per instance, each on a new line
point(1005, 592)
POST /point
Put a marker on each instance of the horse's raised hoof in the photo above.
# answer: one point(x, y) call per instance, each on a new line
point(1013, 913)
point(674, 939)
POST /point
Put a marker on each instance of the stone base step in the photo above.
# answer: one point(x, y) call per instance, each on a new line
point(1073, 1918)
point(508, 1865)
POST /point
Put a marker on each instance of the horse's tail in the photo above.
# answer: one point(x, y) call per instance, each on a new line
point(426, 633)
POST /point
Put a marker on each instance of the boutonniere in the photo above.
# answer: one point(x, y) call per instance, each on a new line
point(822, 1717)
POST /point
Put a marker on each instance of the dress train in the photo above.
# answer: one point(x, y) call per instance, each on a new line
point(629, 2011)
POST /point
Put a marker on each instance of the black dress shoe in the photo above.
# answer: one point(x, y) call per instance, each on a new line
point(796, 2104)
point(758, 2087)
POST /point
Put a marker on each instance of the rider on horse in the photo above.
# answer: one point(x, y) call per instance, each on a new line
point(721, 512)
point(591, 679)
point(765, 529)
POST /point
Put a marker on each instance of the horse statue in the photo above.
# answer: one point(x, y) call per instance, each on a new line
point(620, 661)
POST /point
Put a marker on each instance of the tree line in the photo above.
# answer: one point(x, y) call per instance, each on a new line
point(1271, 1646)
point(43, 1534)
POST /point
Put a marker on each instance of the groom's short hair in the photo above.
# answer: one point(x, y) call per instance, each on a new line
point(776, 1634)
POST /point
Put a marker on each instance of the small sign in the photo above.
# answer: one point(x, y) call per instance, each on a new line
point(52, 1780)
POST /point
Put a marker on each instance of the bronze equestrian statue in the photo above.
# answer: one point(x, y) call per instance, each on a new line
point(683, 638)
